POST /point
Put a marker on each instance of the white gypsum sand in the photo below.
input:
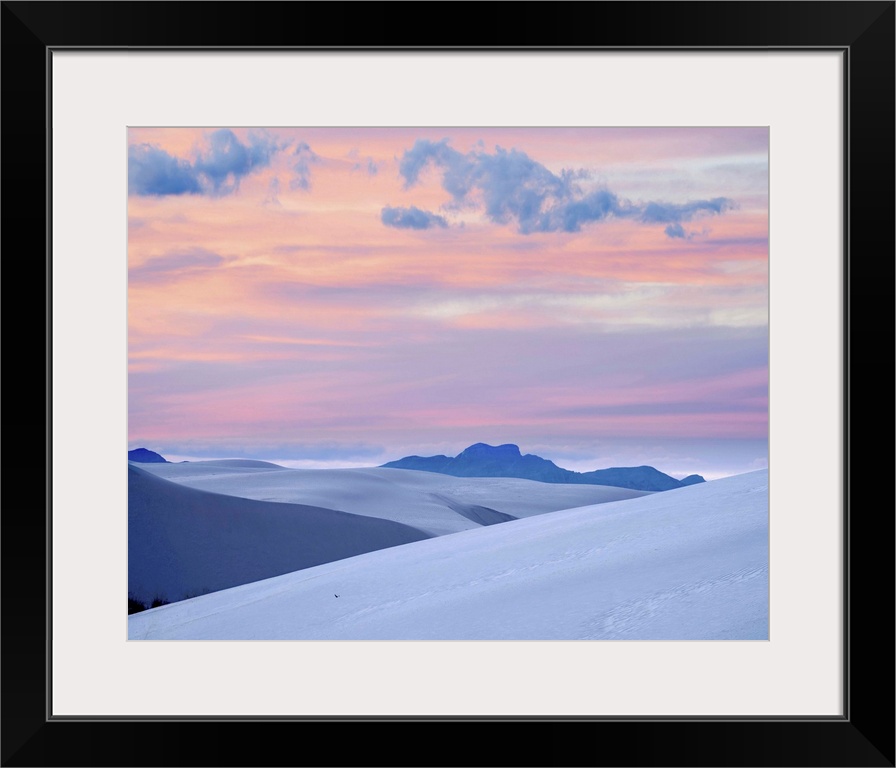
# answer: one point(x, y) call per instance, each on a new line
point(686, 564)
point(434, 503)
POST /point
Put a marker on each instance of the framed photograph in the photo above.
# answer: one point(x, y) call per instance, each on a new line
point(209, 192)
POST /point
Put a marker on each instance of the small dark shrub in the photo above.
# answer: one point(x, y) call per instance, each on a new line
point(135, 606)
point(157, 601)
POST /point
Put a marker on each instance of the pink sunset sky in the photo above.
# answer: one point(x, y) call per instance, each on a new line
point(347, 296)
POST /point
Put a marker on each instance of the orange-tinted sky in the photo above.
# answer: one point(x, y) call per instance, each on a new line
point(344, 297)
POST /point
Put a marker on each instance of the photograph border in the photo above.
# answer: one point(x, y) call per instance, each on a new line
point(31, 31)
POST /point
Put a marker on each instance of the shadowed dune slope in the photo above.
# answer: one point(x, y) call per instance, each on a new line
point(434, 503)
point(184, 542)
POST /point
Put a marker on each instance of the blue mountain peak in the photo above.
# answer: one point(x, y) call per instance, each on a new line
point(484, 460)
point(146, 456)
point(483, 449)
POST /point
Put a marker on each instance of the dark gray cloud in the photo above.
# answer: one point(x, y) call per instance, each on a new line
point(514, 188)
point(411, 218)
point(216, 170)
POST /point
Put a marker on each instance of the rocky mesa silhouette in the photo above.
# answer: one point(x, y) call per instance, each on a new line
point(145, 456)
point(482, 460)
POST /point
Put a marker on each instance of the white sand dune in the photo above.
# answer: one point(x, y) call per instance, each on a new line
point(184, 542)
point(686, 564)
point(212, 468)
point(434, 503)
point(238, 464)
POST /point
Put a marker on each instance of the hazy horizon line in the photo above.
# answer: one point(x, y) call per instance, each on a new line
point(175, 457)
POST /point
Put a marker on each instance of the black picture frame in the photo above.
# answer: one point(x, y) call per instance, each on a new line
point(864, 735)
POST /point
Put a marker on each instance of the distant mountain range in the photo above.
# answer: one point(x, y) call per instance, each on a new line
point(481, 460)
point(145, 456)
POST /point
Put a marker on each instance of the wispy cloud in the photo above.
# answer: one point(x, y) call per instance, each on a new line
point(366, 164)
point(174, 265)
point(273, 197)
point(303, 158)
